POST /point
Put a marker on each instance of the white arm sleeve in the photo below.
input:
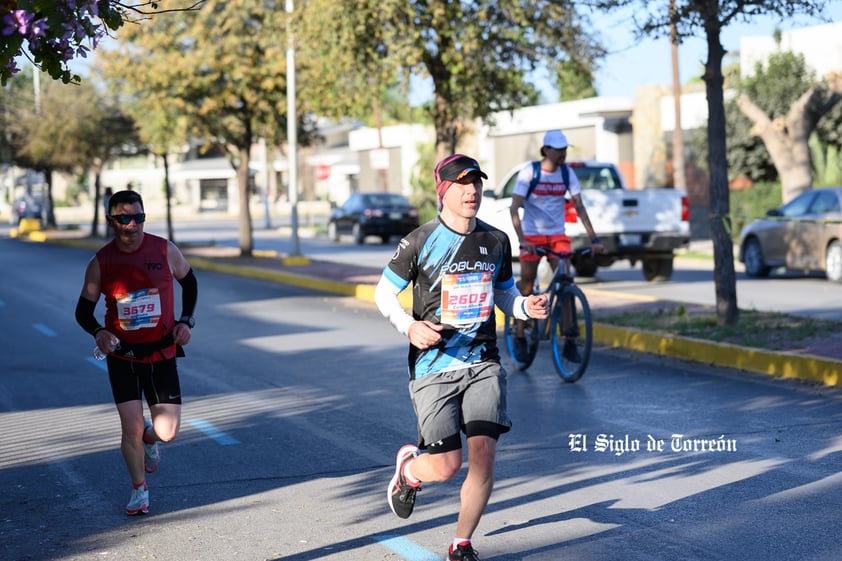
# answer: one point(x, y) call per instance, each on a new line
point(386, 298)
point(511, 302)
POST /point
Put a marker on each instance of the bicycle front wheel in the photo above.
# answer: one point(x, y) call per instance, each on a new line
point(522, 358)
point(571, 334)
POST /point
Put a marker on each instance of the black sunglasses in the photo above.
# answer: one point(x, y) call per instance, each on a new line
point(125, 219)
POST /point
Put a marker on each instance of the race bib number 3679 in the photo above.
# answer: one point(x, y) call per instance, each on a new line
point(466, 298)
point(139, 310)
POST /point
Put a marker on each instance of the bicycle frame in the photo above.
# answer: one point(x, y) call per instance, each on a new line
point(568, 327)
point(562, 276)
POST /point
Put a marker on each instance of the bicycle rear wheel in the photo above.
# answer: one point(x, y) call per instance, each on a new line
point(571, 334)
point(530, 332)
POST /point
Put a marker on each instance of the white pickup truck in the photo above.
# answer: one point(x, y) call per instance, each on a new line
point(645, 225)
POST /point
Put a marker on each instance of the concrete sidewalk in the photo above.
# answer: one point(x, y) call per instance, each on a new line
point(820, 365)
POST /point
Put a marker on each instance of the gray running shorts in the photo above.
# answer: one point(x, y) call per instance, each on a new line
point(444, 402)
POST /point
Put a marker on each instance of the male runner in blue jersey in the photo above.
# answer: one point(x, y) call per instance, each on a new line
point(460, 268)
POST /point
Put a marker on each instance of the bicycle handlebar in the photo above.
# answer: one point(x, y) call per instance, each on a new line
point(545, 251)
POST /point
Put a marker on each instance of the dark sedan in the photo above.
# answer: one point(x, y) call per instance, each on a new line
point(373, 214)
point(805, 234)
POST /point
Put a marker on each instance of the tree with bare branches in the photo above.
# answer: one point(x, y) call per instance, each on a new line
point(786, 136)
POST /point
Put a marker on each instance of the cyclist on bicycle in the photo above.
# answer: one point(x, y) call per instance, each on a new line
point(543, 200)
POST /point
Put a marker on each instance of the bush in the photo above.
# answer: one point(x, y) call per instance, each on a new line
point(752, 203)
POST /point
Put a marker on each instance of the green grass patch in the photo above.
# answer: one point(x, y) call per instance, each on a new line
point(772, 331)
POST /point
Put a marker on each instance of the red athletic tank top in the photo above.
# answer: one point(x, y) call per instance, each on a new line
point(138, 291)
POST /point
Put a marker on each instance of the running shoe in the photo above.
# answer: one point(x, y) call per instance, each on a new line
point(401, 494)
point(139, 501)
point(520, 349)
point(151, 453)
point(463, 552)
point(570, 352)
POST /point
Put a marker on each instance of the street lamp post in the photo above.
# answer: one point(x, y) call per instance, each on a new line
point(292, 134)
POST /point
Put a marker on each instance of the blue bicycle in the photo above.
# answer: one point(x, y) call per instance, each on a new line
point(569, 326)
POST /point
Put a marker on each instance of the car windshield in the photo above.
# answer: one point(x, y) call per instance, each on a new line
point(601, 178)
point(817, 202)
point(826, 202)
point(797, 206)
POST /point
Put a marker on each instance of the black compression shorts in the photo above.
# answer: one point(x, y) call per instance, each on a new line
point(158, 381)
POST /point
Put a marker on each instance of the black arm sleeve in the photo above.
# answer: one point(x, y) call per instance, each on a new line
point(85, 315)
point(189, 293)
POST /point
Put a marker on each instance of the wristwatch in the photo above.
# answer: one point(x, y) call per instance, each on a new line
point(189, 321)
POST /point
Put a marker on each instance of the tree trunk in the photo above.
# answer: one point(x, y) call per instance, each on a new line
point(786, 142)
point(49, 211)
point(725, 280)
point(447, 129)
point(168, 194)
point(97, 199)
point(787, 139)
point(246, 240)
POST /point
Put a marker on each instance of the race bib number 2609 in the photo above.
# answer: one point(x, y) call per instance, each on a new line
point(466, 298)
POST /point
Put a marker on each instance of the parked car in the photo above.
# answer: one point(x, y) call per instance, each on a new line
point(26, 206)
point(373, 214)
point(645, 225)
point(805, 234)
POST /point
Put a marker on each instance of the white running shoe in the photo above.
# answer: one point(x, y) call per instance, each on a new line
point(139, 501)
point(151, 453)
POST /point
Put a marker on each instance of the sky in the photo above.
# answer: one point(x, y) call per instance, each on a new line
point(630, 65)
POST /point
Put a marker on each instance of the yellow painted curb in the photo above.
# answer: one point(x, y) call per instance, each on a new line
point(275, 276)
point(270, 253)
point(27, 225)
point(781, 364)
point(295, 261)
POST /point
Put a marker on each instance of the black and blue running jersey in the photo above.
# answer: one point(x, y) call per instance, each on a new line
point(454, 277)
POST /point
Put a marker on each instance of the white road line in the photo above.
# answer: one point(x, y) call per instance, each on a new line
point(213, 432)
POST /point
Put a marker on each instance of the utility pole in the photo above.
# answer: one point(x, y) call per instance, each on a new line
point(679, 179)
point(292, 134)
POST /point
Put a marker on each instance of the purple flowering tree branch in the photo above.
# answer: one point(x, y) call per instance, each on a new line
point(52, 34)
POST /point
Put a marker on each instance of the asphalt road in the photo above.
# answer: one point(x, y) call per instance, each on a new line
point(296, 404)
point(692, 282)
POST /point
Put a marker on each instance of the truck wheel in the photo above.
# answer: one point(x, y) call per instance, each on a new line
point(657, 268)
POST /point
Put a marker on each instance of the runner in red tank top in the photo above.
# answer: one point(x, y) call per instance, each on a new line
point(135, 272)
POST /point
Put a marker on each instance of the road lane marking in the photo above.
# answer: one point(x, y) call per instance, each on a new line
point(213, 432)
point(43, 329)
point(406, 549)
point(101, 364)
